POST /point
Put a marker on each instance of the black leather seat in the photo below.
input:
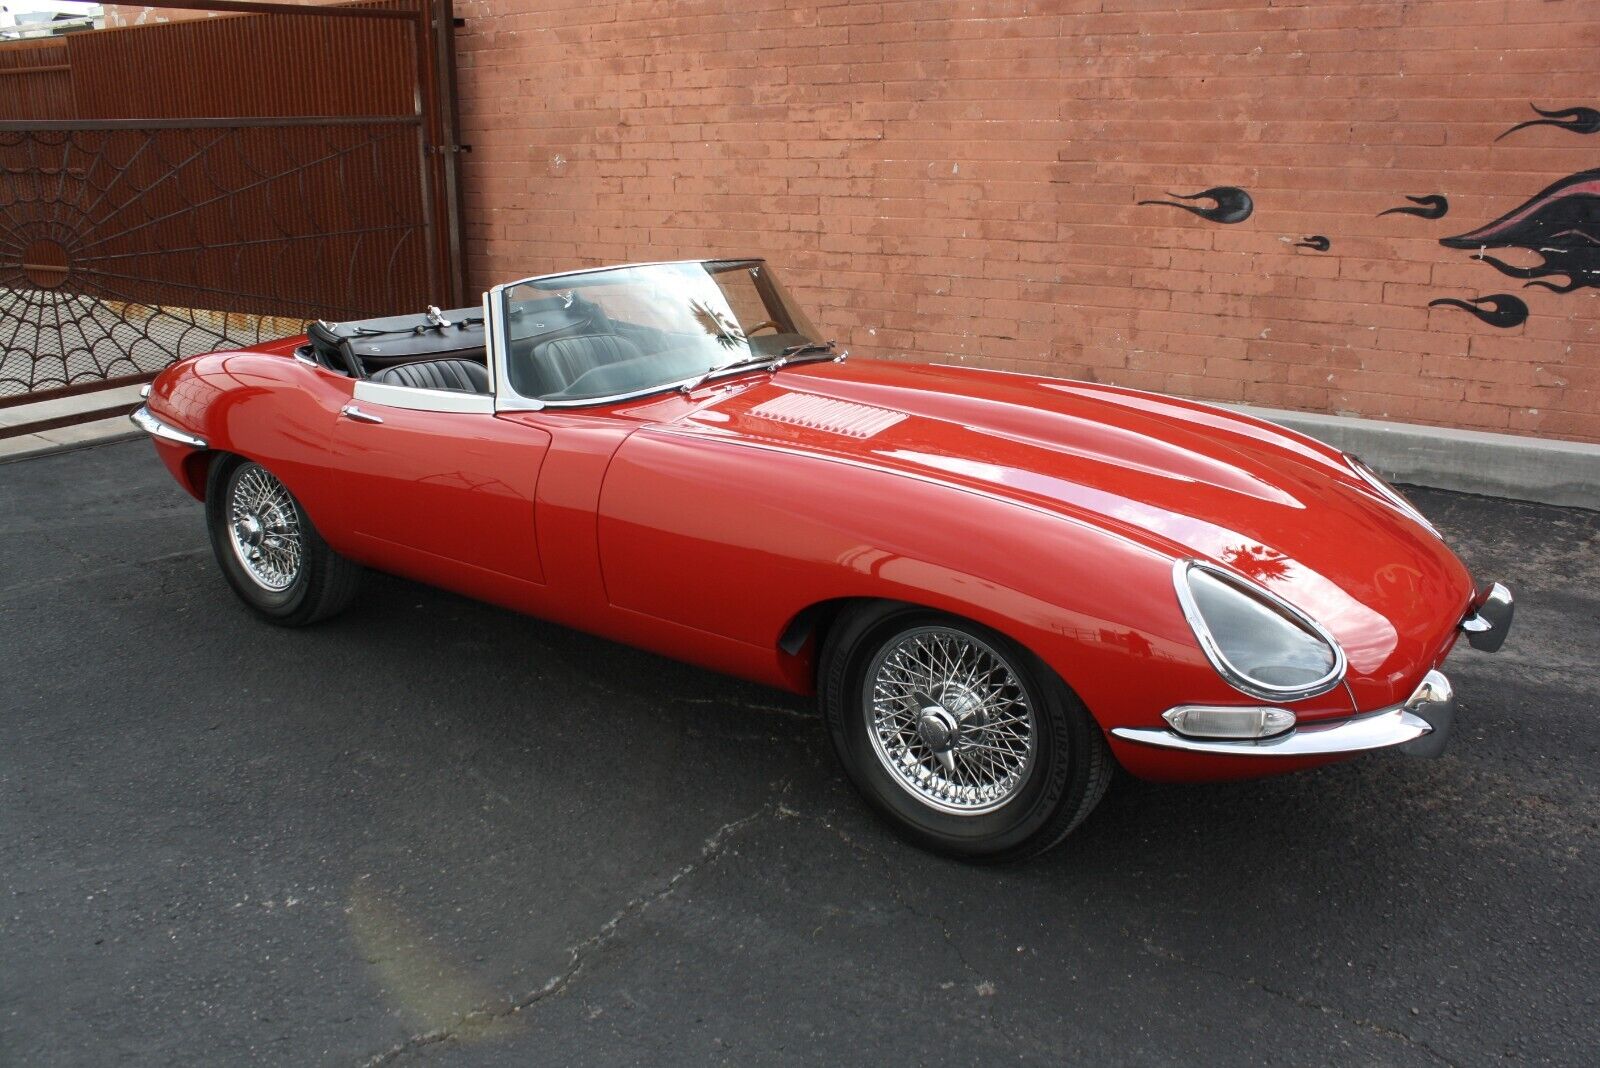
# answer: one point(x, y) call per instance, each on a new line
point(559, 363)
point(463, 375)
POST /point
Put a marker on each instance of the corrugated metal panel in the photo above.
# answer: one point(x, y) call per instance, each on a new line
point(247, 65)
point(240, 208)
point(35, 80)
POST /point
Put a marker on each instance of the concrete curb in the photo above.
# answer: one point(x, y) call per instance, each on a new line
point(1565, 473)
point(68, 439)
point(34, 433)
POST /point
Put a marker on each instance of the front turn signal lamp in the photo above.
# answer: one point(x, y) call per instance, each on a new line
point(1259, 643)
point(1242, 724)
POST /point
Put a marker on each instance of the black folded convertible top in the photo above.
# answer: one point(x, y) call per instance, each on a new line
point(373, 344)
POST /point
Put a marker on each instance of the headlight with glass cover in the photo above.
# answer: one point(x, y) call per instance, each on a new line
point(1258, 642)
point(1388, 492)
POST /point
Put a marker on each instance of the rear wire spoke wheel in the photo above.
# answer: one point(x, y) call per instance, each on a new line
point(965, 740)
point(268, 548)
point(264, 527)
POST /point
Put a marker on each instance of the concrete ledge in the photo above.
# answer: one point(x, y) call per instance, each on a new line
point(1566, 473)
point(63, 439)
point(31, 429)
point(78, 404)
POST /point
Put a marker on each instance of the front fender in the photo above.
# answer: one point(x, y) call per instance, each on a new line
point(736, 539)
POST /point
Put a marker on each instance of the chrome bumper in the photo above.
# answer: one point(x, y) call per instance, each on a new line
point(157, 429)
point(1421, 724)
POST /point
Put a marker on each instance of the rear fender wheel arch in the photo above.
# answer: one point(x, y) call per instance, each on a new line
point(320, 584)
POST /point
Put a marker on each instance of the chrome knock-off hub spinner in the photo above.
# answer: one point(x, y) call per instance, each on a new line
point(941, 733)
point(938, 729)
point(251, 530)
point(964, 703)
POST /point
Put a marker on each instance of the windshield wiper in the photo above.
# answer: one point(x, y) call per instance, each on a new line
point(808, 348)
point(766, 361)
point(752, 360)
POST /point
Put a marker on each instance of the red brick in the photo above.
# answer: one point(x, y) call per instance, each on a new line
point(939, 178)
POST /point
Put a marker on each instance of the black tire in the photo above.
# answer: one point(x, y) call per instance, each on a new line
point(1071, 765)
point(322, 585)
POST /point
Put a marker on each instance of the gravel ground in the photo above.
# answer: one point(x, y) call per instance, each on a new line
point(432, 832)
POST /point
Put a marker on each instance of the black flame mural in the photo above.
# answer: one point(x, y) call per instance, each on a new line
point(1497, 309)
point(1229, 204)
point(1560, 225)
point(1578, 120)
point(1432, 206)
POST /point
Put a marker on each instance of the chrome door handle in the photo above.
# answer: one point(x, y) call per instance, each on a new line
point(351, 411)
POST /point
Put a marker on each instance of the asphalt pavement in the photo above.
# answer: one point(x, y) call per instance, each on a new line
point(431, 832)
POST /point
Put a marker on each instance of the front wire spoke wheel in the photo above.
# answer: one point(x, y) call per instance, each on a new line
point(950, 720)
point(264, 528)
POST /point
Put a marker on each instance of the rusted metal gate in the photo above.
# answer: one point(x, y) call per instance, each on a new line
point(181, 187)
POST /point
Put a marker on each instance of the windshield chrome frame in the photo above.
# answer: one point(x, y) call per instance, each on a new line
point(506, 397)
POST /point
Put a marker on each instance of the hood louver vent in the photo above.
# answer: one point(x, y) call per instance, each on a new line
point(825, 413)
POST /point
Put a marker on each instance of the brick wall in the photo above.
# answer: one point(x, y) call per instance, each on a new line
point(962, 180)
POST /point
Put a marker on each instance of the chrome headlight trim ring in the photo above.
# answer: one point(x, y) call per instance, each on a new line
point(1231, 674)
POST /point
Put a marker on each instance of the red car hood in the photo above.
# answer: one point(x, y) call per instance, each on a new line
point(1184, 478)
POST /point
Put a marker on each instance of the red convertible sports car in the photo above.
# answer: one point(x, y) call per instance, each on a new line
point(999, 586)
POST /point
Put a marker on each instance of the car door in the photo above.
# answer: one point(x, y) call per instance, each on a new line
point(427, 482)
point(431, 477)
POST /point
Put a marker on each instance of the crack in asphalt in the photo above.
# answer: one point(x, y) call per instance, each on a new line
point(578, 955)
point(806, 714)
point(710, 851)
point(897, 889)
point(69, 577)
point(1300, 1001)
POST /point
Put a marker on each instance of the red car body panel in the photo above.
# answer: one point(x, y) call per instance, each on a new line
point(703, 527)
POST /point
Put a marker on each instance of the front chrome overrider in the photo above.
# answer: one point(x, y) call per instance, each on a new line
point(949, 720)
point(1422, 724)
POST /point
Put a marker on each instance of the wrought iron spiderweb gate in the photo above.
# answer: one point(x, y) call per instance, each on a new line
point(126, 243)
point(124, 246)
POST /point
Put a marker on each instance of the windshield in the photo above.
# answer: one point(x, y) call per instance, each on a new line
point(630, 330)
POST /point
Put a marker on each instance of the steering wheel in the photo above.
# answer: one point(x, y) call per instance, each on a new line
point(762, 326)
